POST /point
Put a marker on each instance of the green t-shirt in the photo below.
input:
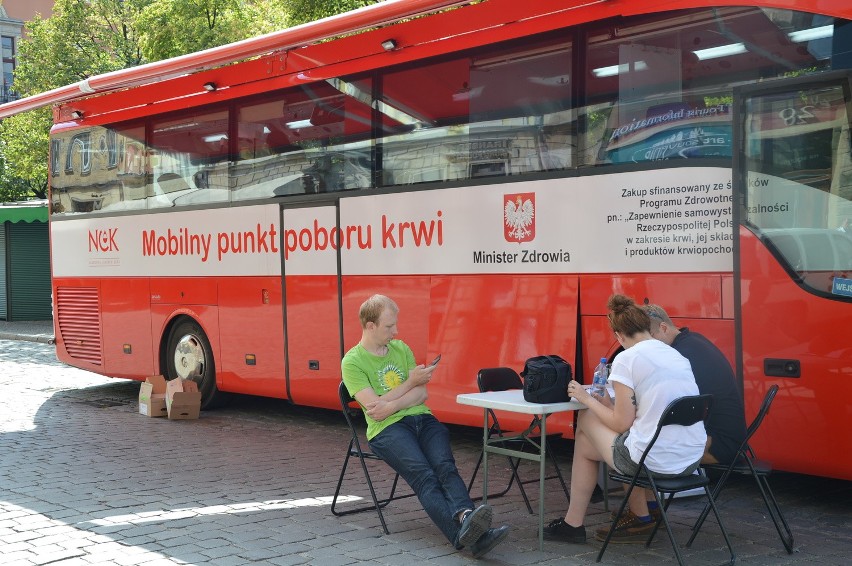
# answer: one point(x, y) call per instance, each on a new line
point(361, 369)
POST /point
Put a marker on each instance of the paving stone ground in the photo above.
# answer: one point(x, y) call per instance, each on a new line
point(86, 480)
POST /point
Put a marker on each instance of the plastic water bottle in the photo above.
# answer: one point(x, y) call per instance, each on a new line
point(599, 382)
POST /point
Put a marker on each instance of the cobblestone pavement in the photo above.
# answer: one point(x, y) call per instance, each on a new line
point(86, 480)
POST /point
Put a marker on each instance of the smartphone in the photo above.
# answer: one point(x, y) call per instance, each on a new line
point(435, 361)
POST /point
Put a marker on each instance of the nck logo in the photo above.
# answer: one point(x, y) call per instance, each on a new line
point(103, 240)
point(519, 217)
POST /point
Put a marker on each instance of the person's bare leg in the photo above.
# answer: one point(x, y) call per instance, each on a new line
point(584, 476)
point(638, 503)
point(642, 498)
point(592, 444)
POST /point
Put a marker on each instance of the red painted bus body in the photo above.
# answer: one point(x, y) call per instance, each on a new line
point(255, 260)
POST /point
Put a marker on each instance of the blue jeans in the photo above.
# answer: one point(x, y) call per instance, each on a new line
point(418, 448)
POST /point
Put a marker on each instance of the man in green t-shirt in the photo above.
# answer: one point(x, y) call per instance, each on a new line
point(381, 374)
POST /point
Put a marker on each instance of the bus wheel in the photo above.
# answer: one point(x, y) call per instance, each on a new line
point(189, 356)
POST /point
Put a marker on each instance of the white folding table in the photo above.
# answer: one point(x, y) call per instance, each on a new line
point(513, 401)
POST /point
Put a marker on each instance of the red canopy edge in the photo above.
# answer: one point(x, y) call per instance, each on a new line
point(368, 16)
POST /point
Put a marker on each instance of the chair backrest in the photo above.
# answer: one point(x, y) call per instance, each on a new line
point(498, 379)
point(687, 411)
point(345, 398)
point(745, 454)
point(346, 402)
point(684, 411)
point(764, 410)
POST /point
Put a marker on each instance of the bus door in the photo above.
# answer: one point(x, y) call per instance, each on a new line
point(311, 304)
point(793, 267)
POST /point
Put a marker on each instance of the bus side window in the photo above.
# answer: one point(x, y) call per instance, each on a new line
point(664, 81)
point(499, 110)
point(311, 136)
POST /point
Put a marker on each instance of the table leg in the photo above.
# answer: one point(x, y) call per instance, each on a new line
point(485, 458)
point(541, 482)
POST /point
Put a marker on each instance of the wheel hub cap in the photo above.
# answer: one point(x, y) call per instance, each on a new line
point(189, 358)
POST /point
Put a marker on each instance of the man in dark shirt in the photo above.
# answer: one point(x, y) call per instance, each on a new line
point(726, 427)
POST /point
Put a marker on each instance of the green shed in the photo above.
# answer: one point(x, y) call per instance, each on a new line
point(24, 262)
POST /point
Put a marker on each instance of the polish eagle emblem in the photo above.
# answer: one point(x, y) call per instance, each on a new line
point(519, 217)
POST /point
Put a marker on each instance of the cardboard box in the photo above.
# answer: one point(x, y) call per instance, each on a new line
point(183, 399)
point(152, 397)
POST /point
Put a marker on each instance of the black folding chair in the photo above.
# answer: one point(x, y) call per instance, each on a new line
point(355, 450)
point(504, 379)
point(685, 411)
point(746, 463)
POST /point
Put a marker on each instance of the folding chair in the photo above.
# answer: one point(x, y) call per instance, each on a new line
point(684, 411)
point(746, 463)
point(355, 450)
point(504, 379)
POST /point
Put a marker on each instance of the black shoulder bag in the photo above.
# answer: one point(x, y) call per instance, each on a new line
point(546, 379)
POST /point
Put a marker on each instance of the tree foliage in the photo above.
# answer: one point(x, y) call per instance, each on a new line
point(81, 39)
point(304, 11)
point(267, 16)
point(24, 138)
point(177, 27)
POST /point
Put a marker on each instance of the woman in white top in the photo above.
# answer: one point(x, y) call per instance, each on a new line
point(646, 377)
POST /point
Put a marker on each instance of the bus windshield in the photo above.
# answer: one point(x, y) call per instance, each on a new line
point(799, 181)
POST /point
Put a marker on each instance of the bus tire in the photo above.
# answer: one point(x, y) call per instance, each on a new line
point(189, 356)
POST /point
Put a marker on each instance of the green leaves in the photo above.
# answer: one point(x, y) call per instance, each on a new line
point(24, 137)
point(303, 11)
point(176, 27)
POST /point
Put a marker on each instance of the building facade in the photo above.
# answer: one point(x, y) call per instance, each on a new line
point(13, 16)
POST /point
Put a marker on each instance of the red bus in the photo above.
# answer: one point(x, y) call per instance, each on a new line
point(499, 169)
